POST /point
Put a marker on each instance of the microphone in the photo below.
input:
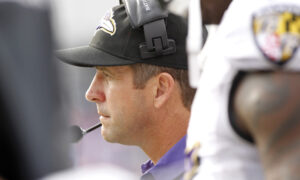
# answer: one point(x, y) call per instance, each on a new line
point(77, 132)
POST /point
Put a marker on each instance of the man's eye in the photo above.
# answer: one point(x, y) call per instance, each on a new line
point(106, 75)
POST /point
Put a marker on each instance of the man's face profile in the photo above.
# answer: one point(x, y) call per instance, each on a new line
point(124, 110)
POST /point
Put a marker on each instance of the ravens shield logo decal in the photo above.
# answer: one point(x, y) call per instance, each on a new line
point(277, 32)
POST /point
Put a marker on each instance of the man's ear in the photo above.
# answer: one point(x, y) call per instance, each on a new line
point(165, 88)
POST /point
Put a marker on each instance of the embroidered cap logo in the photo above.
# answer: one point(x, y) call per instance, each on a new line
point(108, 24)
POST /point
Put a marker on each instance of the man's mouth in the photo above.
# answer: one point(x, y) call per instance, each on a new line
point(103, 114)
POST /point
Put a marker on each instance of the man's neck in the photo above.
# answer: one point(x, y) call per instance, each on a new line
point(171, 127)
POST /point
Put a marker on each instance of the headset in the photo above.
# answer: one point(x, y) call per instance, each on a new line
point(150, 15)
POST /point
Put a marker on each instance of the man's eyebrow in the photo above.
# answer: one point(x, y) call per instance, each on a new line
point(104, 69)
point(117, 69)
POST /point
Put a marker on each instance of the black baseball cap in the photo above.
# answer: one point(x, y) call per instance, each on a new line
point(116, 43)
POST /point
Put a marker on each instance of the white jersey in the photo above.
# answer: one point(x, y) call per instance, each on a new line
point(253, 35)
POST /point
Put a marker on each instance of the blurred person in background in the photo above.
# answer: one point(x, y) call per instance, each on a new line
point(141, 101)
point(245, 118)
point(33, 141)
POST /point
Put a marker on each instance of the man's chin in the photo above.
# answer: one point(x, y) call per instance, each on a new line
point(119, 140)
point(109, 137)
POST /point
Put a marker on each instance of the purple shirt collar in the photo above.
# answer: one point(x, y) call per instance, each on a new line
point(170, 166)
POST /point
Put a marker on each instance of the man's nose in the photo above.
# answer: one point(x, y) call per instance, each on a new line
point(95, 92)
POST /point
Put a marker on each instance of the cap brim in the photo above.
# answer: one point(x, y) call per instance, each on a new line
point(87, 56)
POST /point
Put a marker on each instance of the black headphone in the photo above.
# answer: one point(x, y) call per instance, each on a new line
point(150, 15)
